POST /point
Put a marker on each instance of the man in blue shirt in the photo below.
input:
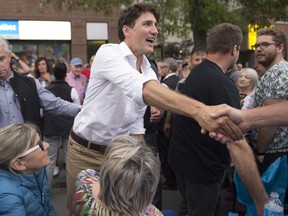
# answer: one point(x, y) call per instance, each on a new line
point(21, 97)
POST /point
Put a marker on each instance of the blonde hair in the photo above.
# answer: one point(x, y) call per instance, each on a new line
point(15, 139)
point(129, 176)
point(253, 76)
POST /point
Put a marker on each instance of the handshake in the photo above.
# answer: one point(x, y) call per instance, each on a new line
point(227, 124)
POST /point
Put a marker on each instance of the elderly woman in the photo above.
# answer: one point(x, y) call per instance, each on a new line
point(247, 83)
point(126, 184)
point(24, 189)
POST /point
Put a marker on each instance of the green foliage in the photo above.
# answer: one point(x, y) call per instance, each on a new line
point(96, 5)
point(206, 13)
point(179, 17)
point(261, 11)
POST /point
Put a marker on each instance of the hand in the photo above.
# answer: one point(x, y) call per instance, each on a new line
point(46, 76)
point(167, 129)
point(156, 114)
point(219, 124)
point(241, 102)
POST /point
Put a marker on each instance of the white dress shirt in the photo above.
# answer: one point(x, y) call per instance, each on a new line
point(113, 104)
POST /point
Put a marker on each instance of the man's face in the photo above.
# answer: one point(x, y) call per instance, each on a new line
point(5, 69)
point(76, 69)
point(196, 59)
point(266, 50)
point(141, 38)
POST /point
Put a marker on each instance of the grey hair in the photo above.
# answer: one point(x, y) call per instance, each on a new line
point(129, 176)
point(171, 63)
point(253, 75)
point(15, 139)
point(4, 43)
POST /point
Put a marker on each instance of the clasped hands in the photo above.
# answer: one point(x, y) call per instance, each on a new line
point(224, 123)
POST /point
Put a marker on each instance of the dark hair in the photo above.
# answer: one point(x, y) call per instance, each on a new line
point(49, 66)
point(223, 37)
point(129, 16)
point(278, 34)
point(60, 70)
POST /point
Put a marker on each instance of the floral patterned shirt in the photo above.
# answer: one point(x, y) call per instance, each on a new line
point(273, 85)
point(85, 204)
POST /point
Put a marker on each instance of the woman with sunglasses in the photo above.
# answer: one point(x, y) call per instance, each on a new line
point(24, 189)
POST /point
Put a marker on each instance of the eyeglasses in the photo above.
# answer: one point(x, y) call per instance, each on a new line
point(263, 45)
point(39, 145)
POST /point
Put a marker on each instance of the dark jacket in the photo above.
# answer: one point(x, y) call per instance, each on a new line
point(25, 90)
point(58, 125)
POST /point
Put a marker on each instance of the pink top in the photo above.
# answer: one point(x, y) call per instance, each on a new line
point(79, 83)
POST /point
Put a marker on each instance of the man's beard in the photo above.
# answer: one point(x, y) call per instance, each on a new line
point(269, 59)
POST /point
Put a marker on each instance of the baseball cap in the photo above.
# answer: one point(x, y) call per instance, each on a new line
point(76, 61)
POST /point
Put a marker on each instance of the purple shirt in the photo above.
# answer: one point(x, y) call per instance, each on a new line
point(79, 83)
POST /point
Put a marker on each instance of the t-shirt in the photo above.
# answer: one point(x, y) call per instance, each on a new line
point(194, 155)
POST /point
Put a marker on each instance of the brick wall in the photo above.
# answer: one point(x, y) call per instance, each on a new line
point(32, 10)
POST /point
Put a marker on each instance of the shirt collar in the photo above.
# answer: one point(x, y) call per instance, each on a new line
point(145, 65)
point(168, 75)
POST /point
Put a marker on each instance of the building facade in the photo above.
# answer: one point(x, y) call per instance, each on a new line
point(35, 29)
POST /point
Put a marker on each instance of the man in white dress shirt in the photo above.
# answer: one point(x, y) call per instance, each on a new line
point(121, 83)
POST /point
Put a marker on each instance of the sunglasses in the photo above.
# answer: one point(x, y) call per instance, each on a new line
point(39, 145)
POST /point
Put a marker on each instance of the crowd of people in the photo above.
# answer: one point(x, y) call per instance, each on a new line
point(125, 119)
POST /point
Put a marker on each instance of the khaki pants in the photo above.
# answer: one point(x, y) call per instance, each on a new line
point(79, 158)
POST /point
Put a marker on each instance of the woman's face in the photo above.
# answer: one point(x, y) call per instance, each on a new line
point(42, 66)
point(37, 158)
point(244, 80)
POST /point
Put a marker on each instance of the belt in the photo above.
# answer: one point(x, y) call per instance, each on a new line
point(86, 143)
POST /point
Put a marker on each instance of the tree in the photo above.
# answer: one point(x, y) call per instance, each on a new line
point(179, 17)
point(261, 12)
point(96, 5)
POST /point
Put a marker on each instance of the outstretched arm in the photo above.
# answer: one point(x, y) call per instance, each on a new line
point(157, 95)
point(272, 115)
point(244, 162)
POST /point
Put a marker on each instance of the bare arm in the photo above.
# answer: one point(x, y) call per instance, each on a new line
point(273, 115)
point(266, 133)
point(244, 162)
point(167, 124)
point(23, 67)
point(157, 95)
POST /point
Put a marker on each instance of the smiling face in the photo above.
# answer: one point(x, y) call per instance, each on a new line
point(244, 80)
point(37, 158)
point(141, 37)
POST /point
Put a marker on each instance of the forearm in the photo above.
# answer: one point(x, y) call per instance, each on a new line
point(25, 68)
point(264, 138)
point(273, 115)
point(244, 162)
point(159, 96)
